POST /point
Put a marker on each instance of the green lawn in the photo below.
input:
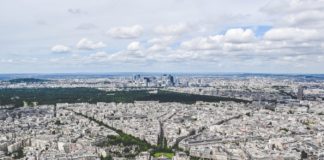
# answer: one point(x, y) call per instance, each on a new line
point(167, 155)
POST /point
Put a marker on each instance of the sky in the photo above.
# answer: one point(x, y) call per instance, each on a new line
point(103, 36)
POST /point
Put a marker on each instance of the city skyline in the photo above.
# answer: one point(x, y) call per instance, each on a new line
point(161, 116)
point(161, 79)
point(154, 36)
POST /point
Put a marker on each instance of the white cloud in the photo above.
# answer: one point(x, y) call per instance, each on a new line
point(233, 39)
point(91, 58)
point(134, 46)
point(238, 47)
point(296, 13)
point(126, 32)
point(306, 18)
point(176, 29)
point(60, 49)
point(126, 57)
point(291, 6)
point(291, 34)
point(239, 35)
point(98, 56)
point(203, 43)
point(162, 40)
point(243, 43)
point(86, 44)
point(161, 43)
point(158, 48)
point(297, 30)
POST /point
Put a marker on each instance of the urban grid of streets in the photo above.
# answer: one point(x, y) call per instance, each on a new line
point(282, 120)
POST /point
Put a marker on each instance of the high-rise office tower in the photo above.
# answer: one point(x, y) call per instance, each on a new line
point(300, 93)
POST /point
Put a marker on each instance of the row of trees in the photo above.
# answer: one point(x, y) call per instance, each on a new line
point(125, 140)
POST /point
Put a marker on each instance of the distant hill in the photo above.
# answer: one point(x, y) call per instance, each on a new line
point(27, 80)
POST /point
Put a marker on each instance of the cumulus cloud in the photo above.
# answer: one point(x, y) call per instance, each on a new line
point(279, 6)
point(239, 35)
point(312, 18)
point(230, 40)
point(203, 43)
point(175, 29)
point(126, 32)
point(291, 34)
point(60, 49)
point(298, 28)
point(134, 46)
point(161, 43)
point(240, 43)
point(158, 48)
point(162, 40)
point(86, 44)
point(297, 13)
point(295, 34)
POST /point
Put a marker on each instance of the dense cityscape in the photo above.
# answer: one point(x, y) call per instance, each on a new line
point(145, 117)
point(161, 80)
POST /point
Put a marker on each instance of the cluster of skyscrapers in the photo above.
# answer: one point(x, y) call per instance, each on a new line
point(166, 80)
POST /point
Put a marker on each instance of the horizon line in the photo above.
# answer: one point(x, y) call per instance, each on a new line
point(158, 72)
